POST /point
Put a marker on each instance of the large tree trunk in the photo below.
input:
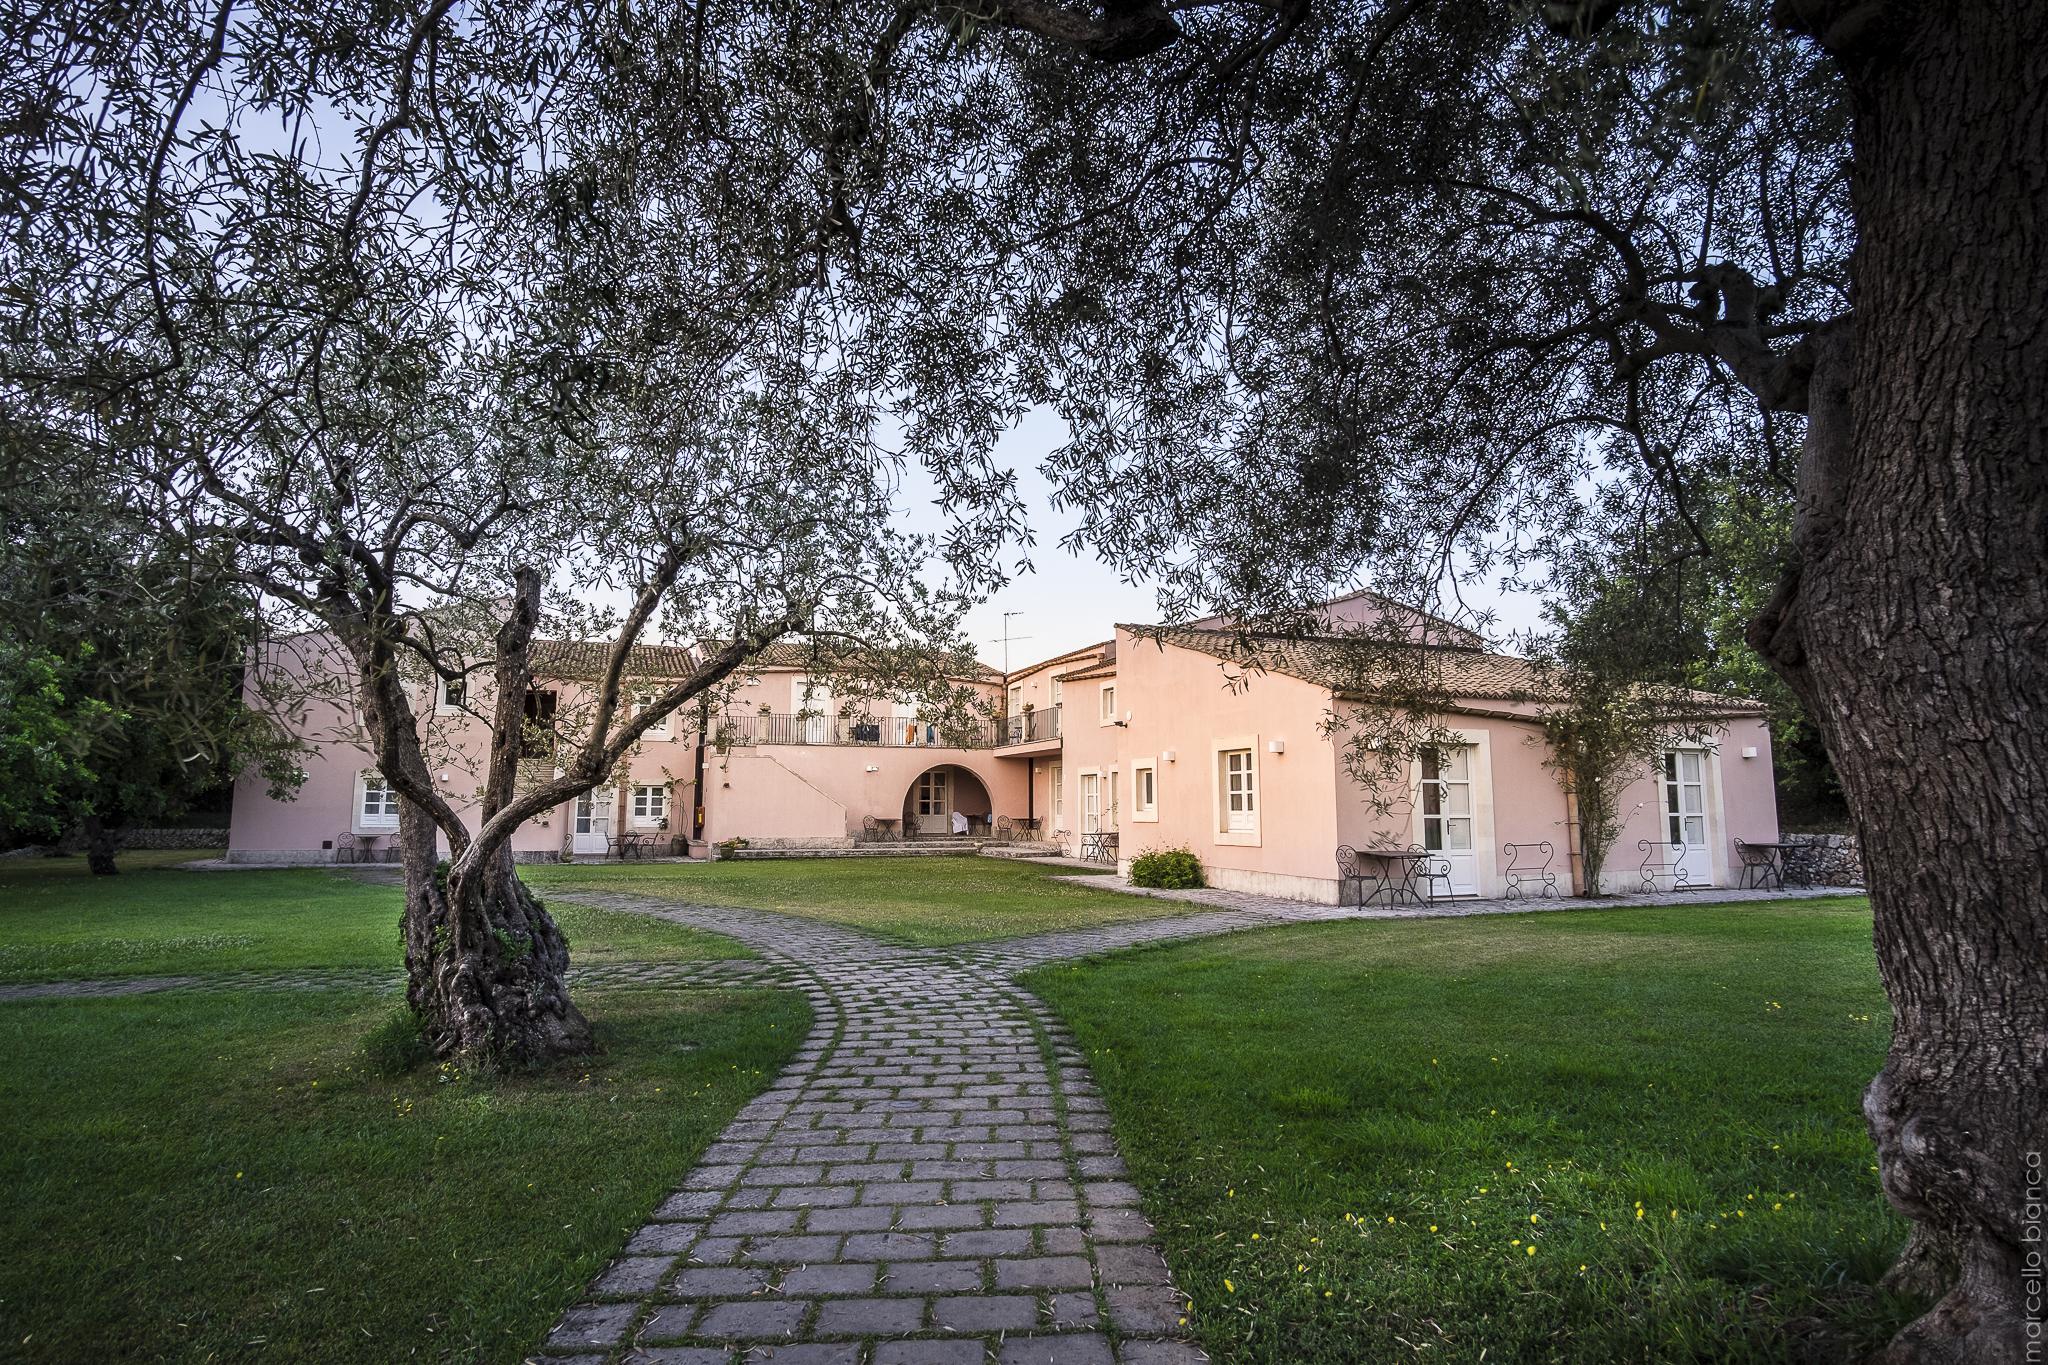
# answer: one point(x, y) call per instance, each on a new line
point(1916, 628)
point(485, 964)
point(101, 843)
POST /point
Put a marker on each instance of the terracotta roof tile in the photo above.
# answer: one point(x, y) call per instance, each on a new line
point(586, 659)
point(1363, 673)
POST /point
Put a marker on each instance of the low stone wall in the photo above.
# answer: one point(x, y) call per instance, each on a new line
point(175, 838)
point(1823, 860)
point(74, 841)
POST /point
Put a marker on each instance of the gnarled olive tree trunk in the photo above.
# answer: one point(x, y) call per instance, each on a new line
point(1916, 628)
point(485, 964)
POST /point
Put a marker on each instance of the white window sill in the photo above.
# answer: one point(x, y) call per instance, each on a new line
point(1139, 817)
point(1237, 838)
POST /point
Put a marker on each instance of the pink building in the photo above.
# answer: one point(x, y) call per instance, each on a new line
point(1150, 739)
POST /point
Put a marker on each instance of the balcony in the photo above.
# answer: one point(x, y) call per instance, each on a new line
point(852, 732)
point(1031, 727)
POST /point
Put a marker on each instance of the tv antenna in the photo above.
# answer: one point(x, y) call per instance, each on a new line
point(1007, 637)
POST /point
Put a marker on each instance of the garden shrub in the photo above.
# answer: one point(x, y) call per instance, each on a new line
point(1169, 869)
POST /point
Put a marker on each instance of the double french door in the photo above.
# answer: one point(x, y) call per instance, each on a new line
point(593, 826)
point(932, 805)
point(1447, 830)
point(1685, 817)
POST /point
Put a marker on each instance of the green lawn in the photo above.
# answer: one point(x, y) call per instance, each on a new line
point(199, 1177)
point(56, 921)
point(926, 902)
point(1601, 1136)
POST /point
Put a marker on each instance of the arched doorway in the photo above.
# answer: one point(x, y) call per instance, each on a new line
point(935, 795)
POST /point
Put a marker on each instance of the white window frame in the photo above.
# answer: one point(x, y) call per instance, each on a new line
point(1144, 774)
point(443, 705)
point(1059, 795)
point(650, 804)
point(1058, 689)
point(1105, 705)
point(1091, 785)
point(385, 818)
point(1243, 831)
point(661, 729)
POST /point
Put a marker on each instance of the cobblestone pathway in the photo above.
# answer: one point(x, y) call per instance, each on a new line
point(931, 1182)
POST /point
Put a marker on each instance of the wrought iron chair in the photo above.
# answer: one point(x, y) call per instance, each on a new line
point(1760, 867)
point(349, 847)
point(870, 830)
point(1528, 871)
point(1351, 872)
point(1662, 859)
point(1353, 868)
point(1431, 873)
point(1004, 831)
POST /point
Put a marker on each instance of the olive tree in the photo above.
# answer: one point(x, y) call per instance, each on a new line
point(344, 294)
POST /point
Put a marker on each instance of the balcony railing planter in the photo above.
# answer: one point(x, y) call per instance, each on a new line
point(851, 731)
point(1029, 726)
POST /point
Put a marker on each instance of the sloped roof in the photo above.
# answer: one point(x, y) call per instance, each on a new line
point(1099, 651)
point(1338, 611)
point(801, 655)
point(1101, 668)
point(1373, 672)
point(586, 659)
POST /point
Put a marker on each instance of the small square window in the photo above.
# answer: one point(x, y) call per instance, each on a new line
point(1108, 703)
point(379, 806)
point(660, 729)
point(650, 806)
point(1144, 792)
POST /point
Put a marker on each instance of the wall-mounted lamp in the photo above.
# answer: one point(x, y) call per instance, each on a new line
point(444, 779)
point(1169, 756)
point(1749, 751)
point(874, 767)
point(1276, 746)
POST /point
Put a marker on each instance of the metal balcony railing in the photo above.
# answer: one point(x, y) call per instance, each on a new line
point(899, 733)
point(1028, 727)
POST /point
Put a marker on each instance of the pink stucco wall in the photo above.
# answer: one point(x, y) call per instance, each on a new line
point(1741, 804)
point(315, 678)
point(1174, 701)
point(823, 792)
point(1181, 702)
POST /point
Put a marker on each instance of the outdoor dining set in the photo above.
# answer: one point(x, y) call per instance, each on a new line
point(1414, 875)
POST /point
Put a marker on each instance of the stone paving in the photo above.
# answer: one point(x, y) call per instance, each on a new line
point(931, 1182)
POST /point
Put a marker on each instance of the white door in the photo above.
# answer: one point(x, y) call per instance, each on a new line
point(1685, 816)
point(934, 810)
point(814, 704)
point(1091, 803)
point(593, 822)
point(1447, 816)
